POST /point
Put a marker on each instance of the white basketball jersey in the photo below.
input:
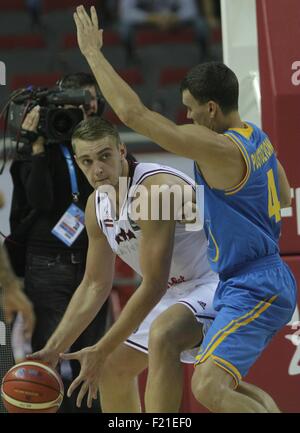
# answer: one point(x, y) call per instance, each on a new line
point(189, 260)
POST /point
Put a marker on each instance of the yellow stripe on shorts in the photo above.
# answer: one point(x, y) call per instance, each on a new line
point(234, 325)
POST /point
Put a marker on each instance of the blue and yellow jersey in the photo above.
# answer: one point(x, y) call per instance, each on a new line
point(242, 223)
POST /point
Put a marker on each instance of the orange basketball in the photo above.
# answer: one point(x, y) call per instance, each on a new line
point(32, 386)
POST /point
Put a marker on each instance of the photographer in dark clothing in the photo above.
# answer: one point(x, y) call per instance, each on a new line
point(51, 192)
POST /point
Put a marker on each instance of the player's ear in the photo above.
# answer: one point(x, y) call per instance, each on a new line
point(212, 109)
point(123, 150)
point(76, 159)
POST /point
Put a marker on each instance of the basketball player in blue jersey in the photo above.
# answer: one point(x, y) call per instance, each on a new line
point(245, 188)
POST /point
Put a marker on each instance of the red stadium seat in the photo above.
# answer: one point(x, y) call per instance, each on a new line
point(171, 75)
point(216, 36)
point(132, 76)
point(112, 117)
point(1, 124)
point(183, 36)
point(151, 36)
point(39, 80)
point(51, 5)
point(12, 5)
point(181, 118)
point(30, 41)
point(70, 41)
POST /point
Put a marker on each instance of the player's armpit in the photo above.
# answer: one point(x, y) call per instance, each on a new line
point(219, 159)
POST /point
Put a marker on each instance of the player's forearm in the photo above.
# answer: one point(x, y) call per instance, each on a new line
point(135, 311)
point(83, 307)
point(7, 276)
point(123, 100)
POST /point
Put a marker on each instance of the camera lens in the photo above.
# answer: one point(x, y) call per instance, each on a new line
point(62, 122)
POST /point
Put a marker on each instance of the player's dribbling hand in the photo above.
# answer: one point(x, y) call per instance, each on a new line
point(89, 36)
point(91, 360)
point(51, 357)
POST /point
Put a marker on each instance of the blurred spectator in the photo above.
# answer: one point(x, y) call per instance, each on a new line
point(108, 10)
point(164, 15)
point(212, 12)
point(35, 8)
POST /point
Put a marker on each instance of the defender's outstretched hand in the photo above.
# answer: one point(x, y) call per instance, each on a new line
point(89, 36)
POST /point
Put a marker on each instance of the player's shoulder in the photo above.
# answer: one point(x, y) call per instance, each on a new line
point(92, 223)
point(250, 133)
point(149, 174)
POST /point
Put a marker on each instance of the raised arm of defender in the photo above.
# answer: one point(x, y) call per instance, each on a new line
point(220, 161)
point(192, 141)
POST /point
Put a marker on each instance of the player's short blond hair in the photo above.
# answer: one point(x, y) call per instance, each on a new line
point(94, 128)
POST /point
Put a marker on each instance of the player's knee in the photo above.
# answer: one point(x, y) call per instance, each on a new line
point(199, 385)
point(206, 391)
point(162, 338)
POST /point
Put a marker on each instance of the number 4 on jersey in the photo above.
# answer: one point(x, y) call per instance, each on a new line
point(273, 202)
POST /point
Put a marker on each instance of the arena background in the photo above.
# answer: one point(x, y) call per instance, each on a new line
point(259, 41)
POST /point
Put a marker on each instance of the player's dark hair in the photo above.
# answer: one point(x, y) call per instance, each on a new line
point(77, 80)
point(94, 128)
point(213, 81)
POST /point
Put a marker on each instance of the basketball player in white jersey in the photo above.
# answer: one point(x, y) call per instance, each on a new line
point(169, 312)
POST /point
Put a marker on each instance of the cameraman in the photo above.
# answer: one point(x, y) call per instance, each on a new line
point(45, 185)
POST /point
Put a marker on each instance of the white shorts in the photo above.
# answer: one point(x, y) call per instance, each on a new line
point(197, 297)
